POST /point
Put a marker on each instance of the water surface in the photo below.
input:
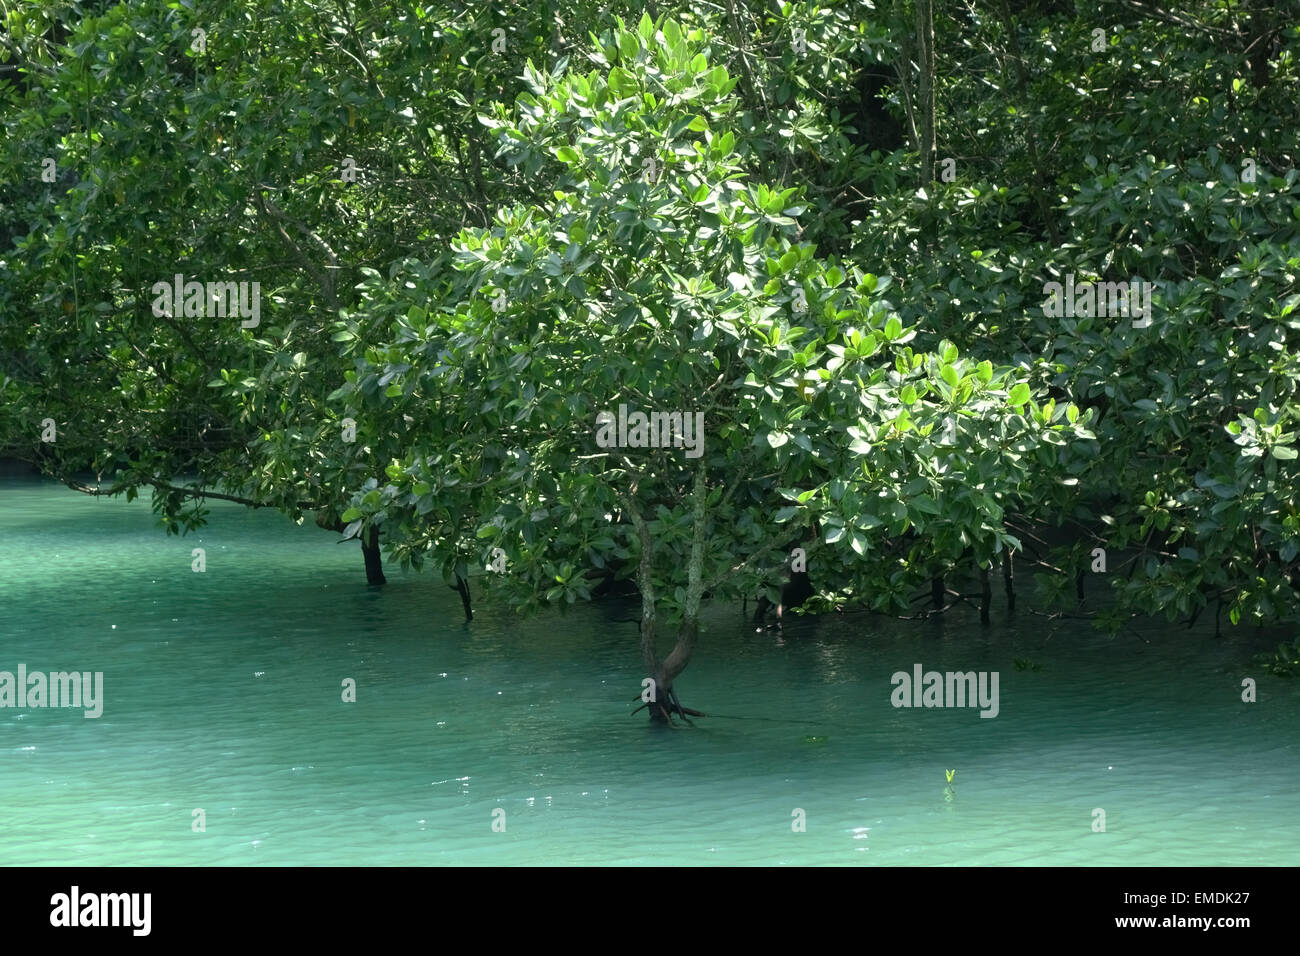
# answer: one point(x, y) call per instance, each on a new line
point(223, 691)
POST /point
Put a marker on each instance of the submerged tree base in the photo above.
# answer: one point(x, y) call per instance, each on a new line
point(662, 711)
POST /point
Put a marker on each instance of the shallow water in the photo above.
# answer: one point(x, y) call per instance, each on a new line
point(223, 691)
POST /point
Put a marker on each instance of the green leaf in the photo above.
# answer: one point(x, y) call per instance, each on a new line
point(628, 47)
point(1019, 395)
point(621, 83)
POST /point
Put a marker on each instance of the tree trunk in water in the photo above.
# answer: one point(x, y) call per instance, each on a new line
point(936, 592)
point(663, 702)
point(462, 588)
point(1078, 586)
point(986, 595)
point(1009, 580)
point(795, 592)
point(374, 560)
point(370, 553)
point(666, 703)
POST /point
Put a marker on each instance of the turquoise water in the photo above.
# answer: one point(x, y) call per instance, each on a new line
point(223, 691)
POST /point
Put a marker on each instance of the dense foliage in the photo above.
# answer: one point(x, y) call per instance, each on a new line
point(479, 229)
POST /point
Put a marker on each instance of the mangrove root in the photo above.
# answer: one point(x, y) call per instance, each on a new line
point(664, 709)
